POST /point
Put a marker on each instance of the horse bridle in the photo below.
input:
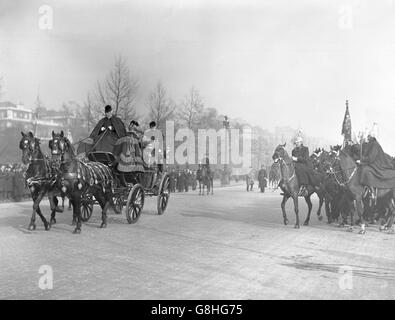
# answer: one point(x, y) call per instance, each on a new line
point(29, 146)
point(58, 146)
point(281, 159)
point(331, 171)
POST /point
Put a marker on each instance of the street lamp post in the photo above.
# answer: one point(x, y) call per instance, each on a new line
point(225, 176)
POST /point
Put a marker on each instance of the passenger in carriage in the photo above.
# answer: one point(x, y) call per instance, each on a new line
point(128, 152)
point(149, 140)
point(135, 131)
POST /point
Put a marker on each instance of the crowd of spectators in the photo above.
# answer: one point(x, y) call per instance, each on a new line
point(12, 183)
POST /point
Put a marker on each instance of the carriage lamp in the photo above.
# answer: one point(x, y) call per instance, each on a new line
point(102, 129)
point(109, 127)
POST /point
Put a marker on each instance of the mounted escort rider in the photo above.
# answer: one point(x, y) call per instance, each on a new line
point(377, 168)
point(303, 167)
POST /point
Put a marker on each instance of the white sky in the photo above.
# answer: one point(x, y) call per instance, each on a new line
point(269, 62)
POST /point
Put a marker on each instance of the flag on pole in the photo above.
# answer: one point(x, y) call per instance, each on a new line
point(346, 128)
point(375, 130)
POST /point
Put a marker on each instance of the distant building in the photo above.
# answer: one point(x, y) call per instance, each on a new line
point(12, 115)
point(66, 121)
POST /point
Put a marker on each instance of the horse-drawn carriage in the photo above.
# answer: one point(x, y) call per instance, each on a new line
point(88, 180)
point(129, 197)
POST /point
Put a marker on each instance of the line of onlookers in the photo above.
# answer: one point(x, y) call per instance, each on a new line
point(12, 182)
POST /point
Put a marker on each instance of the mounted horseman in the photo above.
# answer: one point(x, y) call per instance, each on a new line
point(205, 176)
point(304, 168)
point(377, 168)
point(290, 184)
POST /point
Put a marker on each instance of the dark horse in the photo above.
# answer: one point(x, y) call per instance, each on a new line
point(274, 175)
point(205, 178)
point(77, 178)
point(290, 186)
point(347, 173)
point(39, 178)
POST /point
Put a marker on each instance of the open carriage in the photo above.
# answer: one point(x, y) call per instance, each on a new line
point(130, 198)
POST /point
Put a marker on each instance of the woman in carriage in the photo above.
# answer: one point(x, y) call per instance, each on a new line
point(129, 152)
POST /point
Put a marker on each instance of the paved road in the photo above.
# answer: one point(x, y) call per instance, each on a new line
point(232, 245)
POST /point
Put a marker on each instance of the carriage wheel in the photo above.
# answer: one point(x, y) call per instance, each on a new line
point(135, 203)
point(164, 194)
point(86, 207)
point(118, 203)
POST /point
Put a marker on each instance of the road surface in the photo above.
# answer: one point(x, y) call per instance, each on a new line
point(231, 245)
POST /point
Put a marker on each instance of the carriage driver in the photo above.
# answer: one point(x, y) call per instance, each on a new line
point(303, 166)
point(111, 127)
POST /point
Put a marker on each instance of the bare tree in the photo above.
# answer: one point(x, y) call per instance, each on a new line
point(88, 113)
point(161, 108)
point(118, 90)
point(191, 109)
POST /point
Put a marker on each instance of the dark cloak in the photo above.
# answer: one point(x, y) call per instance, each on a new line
point(377, 167)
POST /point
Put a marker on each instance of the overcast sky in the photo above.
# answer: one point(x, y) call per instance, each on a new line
point(269, 62)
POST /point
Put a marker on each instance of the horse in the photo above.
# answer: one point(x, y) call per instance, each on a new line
point(274, 175)
point(333, 192)
point(347, 173)
point(205, 178)
point(290, 186)
point(39, 178)
point(78, 178)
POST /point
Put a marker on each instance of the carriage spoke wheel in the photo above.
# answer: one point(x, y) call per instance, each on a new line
point(164, 194)
point(118, 203)
point(86, 207)
point(135, 203)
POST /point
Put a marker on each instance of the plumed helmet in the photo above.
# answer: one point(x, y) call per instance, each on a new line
point(374, 131)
